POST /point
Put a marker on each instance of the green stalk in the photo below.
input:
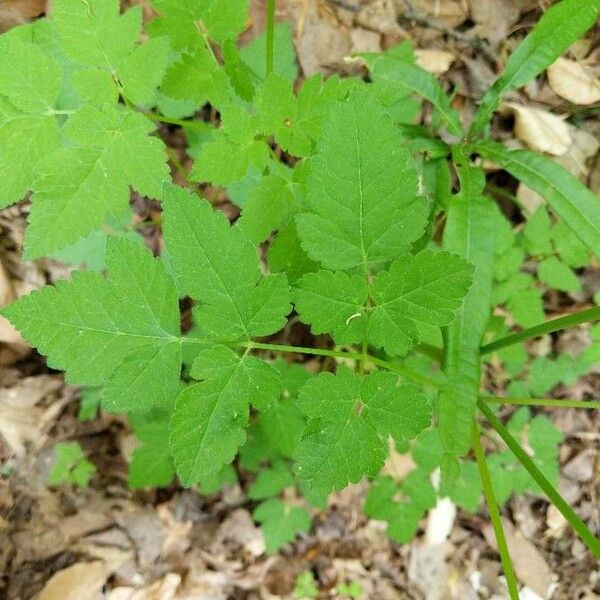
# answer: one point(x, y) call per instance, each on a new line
point(543, 402)
point(584, 316)
point(492, 504)
point(568, 513)
point(270, 35)
point(358, 356)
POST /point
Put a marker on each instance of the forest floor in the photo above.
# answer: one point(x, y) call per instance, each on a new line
point(106, 541)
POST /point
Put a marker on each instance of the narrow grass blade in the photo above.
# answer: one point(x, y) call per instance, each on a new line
point(543, 402)
point(584, 316)
point(492, 504)
point(588, 538)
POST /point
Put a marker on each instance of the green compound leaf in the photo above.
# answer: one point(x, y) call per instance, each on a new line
point(344, 408)
point(559, 27)
point(418, 496)
point(28, 129)
point(424, 288)
point(470, 233)
point(270, 204)
point(143, 70)
point(333, 303)
point(280, 523)
point(70, 466)
point(284, 61)
point(207, 427)
point(233, 151)
point(94, 33)
point(151, 464)
point(296, 122)
point(556, 274)
point(33, 87)
point(79, 186)
point(570, 199)
point(185, 22)
point(362, 190)
point(122, 331)
point(218, 266)
point(271, 482)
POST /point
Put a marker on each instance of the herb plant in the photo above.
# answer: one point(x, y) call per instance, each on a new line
point(70, 466)
point(349, 218)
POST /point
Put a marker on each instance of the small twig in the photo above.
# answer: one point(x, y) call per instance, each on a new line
point(414, 16)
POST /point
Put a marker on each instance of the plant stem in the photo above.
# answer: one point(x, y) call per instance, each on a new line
point(358, 356)
point(492, 504)
point(543, 402)
point(584, 316)
point(568, 513)
point(270, 35)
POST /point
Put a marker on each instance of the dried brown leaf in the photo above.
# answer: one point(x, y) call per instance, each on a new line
point(573, 81)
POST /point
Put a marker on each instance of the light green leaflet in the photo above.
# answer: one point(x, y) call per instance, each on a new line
point(234, 149)
point(208, 425)
point(270, 204)
point(296, 121)
point(362, 190)
point(559, 27)
point(94, 33)
point(352, 417)
point(111, 151)
point(186, 22)
point(284, 61)
point(418, 496)
point(122, 331)
point(105, 148)
point(218, 266)
point(271, 482)
point(424, 288)
point(280, 522)
point(151, 464)
point(70, 466)
point(28, 128)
